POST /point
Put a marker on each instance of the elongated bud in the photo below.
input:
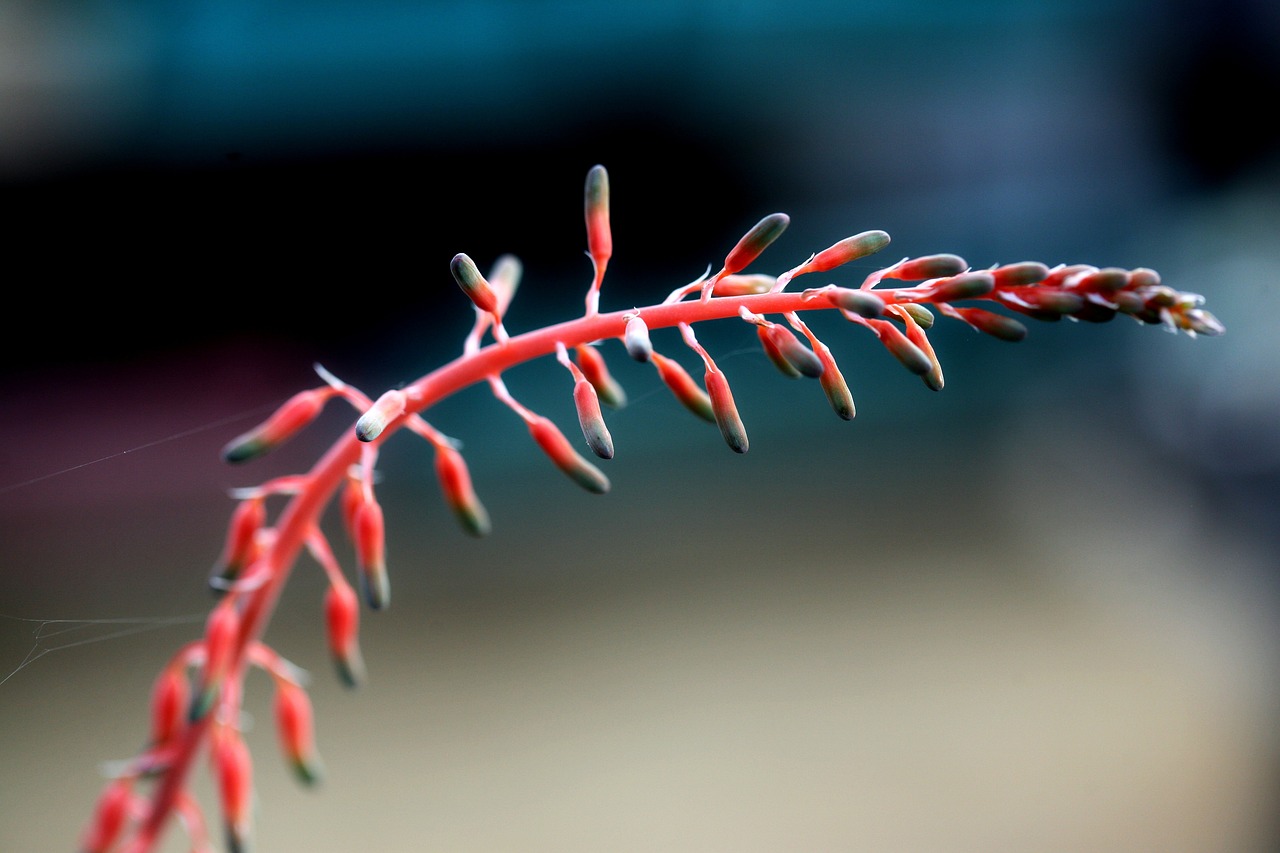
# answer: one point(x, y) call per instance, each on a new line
point(683, 386)
point(240, 549)
point(726, 412)
point(848, 249)
point(1104, 281)
point(999, 326)
point(504, 279)
point(770, 348)
point(220, 634)
point(755, 241)
point(170, 704)
point(342, 627)
point(910, 355)
point(295, 726)
point(1043, 303)
point(296, 413)
point(467, 275)
point(592, 365)
point(1015, 275)
point(455, 483)
point(591, 420)
point(636, 339)
point(966, 285)
point(922, 315)
point(793, 352)
point(387, 408)
point(110, 816)
point(234, 771)
point(743, 284)
point(834, 386)
point(928, 266)
point(557, 447)
point(933, 378)
point(599, 236)
point(864, 303)
point(369, 532)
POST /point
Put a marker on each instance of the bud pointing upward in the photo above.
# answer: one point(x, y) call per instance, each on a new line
point(750, 247)
point(467, 275)
point(599, 236)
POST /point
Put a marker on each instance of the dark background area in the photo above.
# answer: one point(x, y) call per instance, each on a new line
point(965, 621)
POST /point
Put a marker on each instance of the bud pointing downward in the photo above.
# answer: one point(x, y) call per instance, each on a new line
point(726, 413)
point(455, 482)
point(342, 626)
point(249, 516)
point(557, 447)
point(636, 339)
point(220, 634)
point(910, 355)
point(592, 364)
point(109, 817)
point(388, 407)
point(234, 771)
point(467, 275)
point(368, 529)
point(591, 420)
point(682, 385)
point(295, 726)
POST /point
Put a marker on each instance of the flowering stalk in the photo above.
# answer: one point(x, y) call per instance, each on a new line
point(260, 552)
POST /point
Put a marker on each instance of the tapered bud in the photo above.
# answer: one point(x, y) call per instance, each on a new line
point(170, 704)
point(296, 413)
point(553, 443)
point(591, 362)
point(726, 413)
point(785, 367)
point(790, 350)
point(1015, 275)
point(683, 386)
point(1143, 277)
point(591, 420)
point(864, 303)
point(848, 249)
point(387, 408)
point(468, 277)
point(922, 315)
point(369, 531)
point(928, 266)
point(755, 241)
point(834, 386)
point(636, 339)
point(999, 326)
point(1062, 274)
point(911, 356)
point(599, 236)
point(1104, 281)
point(295, 726)
point(743, 284)
point(455, 483)
point(222, 630)
point(967, 285)
point(504, 279)
point(1201, 322)
point(1046, 301)
point(342, 627)
point(240, 548)
point(110, 816)
point(933, 378)
point(234, 771)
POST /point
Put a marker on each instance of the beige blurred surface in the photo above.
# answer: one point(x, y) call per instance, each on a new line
point(813, 647)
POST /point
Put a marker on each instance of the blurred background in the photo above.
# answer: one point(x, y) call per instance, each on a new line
point(1035, 612)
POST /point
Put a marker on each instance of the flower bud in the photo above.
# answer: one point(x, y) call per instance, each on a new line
point(599, 236)
point(743, 284)
point(109, 817)
point(848, 249)
point(387, 408)
point(864, 303)
point(1104, 281)
point(591, 420)
point(369, 532)
point(170, 703)
point(222, 630)
point(967, 285)
point(296, 413)
point(1143, 277)
point(295, 726)
point(933, 377)
point(342, 627)
point(795, 354)
point(726, 413)
point(928, 266)
point(1202, 322)
point(468, 277)
point(910, 355)
point(1015, 275)
point(1000, 326)
point(455, 482)
point(922, 315)
point(681, 384)
point(239, 550)
point(636, 339)
point(834, 386)
point(755, 241)
point(592, 364)
point(234, 771)
point(778, 360)
point(553, 443)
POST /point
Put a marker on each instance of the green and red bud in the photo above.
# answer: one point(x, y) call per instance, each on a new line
point(755, 241)
point(999, 326)
point(910, 355)
point(596, 203)
point(170, 703)
point(553, 443)
point(221, 633)
point(504, 279)
point(290, 419)
point(743, 284)
point(863, 303)
point(233, 769)
point(683, 386)
point(110, 816)
point(369, 532)
point(473, 284)
point(966, 285)
point(928, 266)
point(587, 404)
point(295, 727)
point(776, 358)
point(342, 629)
point(387, 408)
point(240, 548)
point(916, 334)
point(455, 483)
point(1016, 275)
point(725, 411)
point(848, 249)
point(592, 364)
point(635, 338)
point(786, 351)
